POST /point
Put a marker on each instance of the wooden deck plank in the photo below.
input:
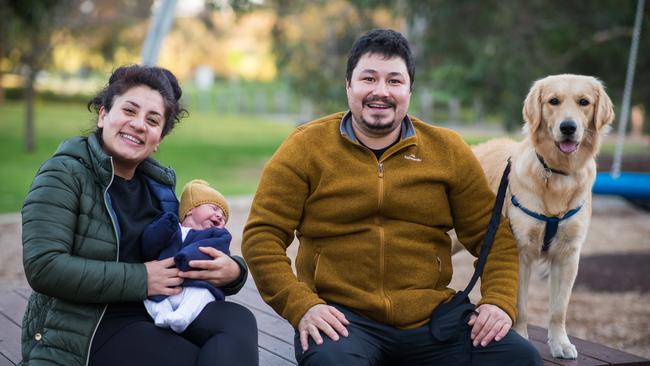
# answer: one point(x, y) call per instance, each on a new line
point(267, 358)
point(276, 334)
point(582, 360)
point(25, 292)
point(10, 340)
point(271, 324)
point(606, 355)
point(5, 361)
point(548, 361)
point(589, 356)
point(253, 297)
point(268, 319)
point(278, 348)
point(12, 305)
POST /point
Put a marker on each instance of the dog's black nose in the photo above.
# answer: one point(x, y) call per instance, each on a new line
point(568, 127)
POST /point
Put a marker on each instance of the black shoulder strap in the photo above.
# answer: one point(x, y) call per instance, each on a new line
point(491, 230)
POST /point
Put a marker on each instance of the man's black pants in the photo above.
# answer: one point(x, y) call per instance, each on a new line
point(370, 343)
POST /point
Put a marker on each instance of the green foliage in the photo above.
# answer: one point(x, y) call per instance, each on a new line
point(311, 42)
point(33, 22)
point(32, 28)
point(496, 49)
point(490, 50)
point(18, 94)
point(226, 150)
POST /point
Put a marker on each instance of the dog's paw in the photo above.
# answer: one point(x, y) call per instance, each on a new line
point(564, 350)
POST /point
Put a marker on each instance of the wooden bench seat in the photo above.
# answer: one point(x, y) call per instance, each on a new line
point(276, 335)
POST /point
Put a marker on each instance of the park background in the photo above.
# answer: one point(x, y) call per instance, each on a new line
point(252, 70)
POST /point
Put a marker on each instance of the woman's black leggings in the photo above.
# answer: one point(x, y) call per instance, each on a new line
point(224, 333)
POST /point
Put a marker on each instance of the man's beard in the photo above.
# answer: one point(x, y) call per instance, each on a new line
point(377, 127)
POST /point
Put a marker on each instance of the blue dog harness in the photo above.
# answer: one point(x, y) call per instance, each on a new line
point(552, 222)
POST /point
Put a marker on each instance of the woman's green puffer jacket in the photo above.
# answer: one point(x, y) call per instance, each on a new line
point(70, 252)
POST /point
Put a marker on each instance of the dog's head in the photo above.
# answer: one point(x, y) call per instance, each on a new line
point(568, 111)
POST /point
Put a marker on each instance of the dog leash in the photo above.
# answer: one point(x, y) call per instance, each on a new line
point(448, 318)
point(495, 219)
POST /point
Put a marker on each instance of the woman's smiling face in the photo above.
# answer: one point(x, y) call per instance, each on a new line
point(132, 128)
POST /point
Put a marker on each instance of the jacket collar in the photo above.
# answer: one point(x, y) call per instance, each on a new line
point(89, 151)
point(101, 162)
point(347, 131)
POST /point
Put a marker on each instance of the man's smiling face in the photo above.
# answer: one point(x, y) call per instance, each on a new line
point(379, 94)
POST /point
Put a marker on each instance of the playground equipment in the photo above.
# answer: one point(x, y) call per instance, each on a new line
point(635, 186)
point(161, 22)
point(632, 186)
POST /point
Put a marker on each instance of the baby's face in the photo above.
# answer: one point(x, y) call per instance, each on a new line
point(206, 216)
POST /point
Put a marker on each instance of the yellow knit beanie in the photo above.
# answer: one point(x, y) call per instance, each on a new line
point(197, 192)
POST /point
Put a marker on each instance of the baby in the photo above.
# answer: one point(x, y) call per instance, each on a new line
point(204, 213)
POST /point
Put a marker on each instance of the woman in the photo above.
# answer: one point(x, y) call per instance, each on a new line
point(82, 222)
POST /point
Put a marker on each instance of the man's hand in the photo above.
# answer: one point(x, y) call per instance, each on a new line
point(323, 318)
point(490, 323)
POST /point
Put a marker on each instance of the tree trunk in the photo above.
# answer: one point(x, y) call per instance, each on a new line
point(2, 90)
point(30, 144)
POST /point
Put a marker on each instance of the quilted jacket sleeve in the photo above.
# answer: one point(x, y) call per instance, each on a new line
point(237, 284)
point(69, 244)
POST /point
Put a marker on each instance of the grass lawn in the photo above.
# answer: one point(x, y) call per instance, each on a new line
point(228, 151)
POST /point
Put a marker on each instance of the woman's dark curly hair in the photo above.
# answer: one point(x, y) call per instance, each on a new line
point(157, 78)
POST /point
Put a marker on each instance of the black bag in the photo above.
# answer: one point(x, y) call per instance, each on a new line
point(449, 318)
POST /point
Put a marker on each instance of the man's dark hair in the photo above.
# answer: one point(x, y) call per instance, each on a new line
point(385, 42)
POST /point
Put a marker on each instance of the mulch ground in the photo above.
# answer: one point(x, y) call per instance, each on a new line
point(629, 163)
point(615, 273)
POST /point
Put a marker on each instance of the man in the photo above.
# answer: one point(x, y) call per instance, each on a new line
point(371, 194)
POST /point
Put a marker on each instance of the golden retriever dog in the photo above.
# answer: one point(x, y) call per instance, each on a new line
point(549, 196)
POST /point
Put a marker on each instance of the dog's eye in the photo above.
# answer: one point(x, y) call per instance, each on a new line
point(583, 102)
point(554, 101)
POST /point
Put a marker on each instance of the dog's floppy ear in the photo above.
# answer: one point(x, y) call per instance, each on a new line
point(532, 111)
point(604, 109)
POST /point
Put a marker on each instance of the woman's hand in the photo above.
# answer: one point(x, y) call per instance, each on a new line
point(162, 278)
point(220, 271)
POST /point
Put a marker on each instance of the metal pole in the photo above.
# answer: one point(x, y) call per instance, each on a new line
point(161, 21)
point(629, 80)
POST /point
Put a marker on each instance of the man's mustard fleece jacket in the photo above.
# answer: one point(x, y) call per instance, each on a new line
point(373, 233)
